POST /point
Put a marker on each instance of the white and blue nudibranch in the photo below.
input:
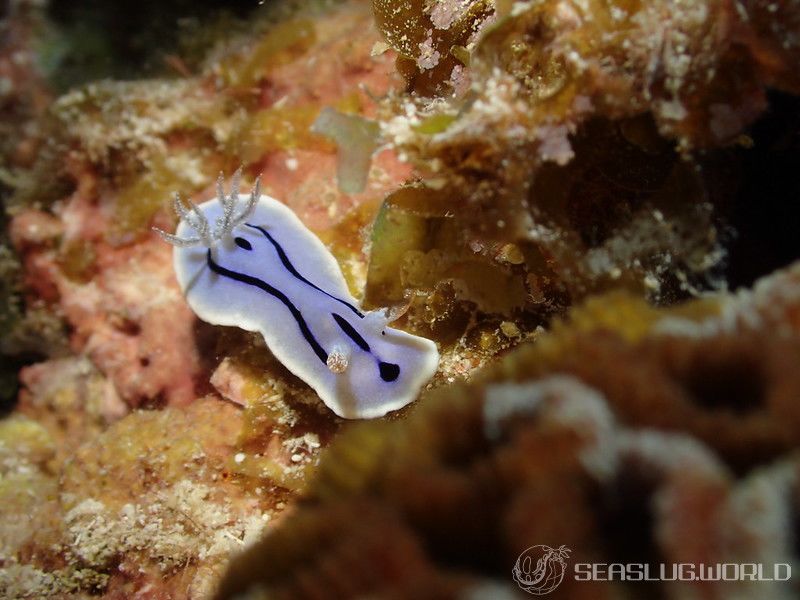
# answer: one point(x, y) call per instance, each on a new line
point(259, 268)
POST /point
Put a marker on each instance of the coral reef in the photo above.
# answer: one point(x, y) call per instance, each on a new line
point(585, 155)
point(149, 503)
point(565, 441)
point(25, 331)
point(433, 39)
point(557, 192)
point(93, 502)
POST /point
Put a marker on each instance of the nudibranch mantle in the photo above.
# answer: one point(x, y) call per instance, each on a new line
point(262, 270)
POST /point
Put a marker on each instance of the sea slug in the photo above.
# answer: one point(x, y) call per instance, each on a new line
point(259, 268)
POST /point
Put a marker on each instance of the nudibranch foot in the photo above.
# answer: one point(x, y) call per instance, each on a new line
point(261, 269)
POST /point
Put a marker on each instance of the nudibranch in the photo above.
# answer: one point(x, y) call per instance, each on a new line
point(259, 268)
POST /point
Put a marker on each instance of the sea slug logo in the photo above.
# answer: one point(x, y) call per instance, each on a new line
point(540, 569)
